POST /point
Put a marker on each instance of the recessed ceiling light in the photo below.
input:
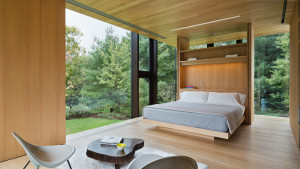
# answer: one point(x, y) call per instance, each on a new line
point(205, 23)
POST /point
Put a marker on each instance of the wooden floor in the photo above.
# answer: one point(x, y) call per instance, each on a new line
point(268, 143)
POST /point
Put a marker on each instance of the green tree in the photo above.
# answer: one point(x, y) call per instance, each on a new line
point(166, 73)
point(75, 58)
point(266, 53)
point(279, 80)
point(107, 75)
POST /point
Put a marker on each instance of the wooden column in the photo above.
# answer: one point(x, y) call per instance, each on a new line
point(134, 75)
point(250, 52)
point(295, 73)
point(32, 74)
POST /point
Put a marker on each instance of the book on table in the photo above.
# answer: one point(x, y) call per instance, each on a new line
point(111, 140)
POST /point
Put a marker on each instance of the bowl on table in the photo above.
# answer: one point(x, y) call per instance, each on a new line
point(121, 146)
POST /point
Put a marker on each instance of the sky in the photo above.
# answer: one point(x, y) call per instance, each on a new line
point(90, 27)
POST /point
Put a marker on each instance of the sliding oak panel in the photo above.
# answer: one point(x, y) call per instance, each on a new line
point(216, 76)
point(294, 73)
point(32, 73)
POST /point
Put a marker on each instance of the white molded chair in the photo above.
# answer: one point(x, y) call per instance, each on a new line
point(152, 161)
point(46, 156)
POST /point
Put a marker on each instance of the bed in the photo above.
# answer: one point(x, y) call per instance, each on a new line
point(206, 114)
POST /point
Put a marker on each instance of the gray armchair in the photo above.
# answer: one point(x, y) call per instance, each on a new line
point(46, 156)
point(152, 161)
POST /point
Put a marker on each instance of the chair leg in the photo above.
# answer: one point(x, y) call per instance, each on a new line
point(26, 164)
point(69, 164)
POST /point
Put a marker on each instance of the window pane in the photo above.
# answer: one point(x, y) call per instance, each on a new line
point(225, 43)
point(97, 82)
point(166, 73)
point(143, 94)
point(272, 75)
point(144, 53)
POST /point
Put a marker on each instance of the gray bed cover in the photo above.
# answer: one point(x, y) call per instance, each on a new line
point(206, 116)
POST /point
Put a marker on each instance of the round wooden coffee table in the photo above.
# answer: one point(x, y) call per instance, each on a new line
point(111, 154)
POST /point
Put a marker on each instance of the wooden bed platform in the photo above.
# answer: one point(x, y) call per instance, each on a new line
point(209, 134)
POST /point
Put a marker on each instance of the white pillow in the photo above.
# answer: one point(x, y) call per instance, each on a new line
point(225, 98)
point(193, 96)
point(242, 98)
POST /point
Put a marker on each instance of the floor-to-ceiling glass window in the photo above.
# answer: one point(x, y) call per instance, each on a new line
point(272, 75)
point(97, 73)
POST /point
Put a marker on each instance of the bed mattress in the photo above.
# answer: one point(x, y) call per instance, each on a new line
point(184, 115)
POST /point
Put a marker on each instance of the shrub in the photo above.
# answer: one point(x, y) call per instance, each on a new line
point(80, 110)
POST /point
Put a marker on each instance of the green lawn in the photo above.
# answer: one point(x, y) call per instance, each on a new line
point(78, 125)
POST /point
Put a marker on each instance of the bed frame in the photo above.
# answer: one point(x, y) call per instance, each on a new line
point(213, 72)
point(209, 134)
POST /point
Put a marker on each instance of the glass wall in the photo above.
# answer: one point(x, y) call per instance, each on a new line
point(143, 94)
point(144, 53)
point(166, 73)
point(98, 73)
point(272, 75)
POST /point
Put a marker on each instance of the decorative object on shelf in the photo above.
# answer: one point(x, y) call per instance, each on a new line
point(190, 59)
point(190, 87)
point(202, 85)
point(232, 55)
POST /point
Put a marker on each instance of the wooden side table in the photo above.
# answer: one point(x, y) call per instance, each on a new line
point(111, 154)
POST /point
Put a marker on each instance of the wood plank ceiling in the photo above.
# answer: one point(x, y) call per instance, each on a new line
point(161, 16)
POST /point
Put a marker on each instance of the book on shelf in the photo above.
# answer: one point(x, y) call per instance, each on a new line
point(190, 87)
point(111, 140)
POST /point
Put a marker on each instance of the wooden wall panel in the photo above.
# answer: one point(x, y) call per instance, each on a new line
point(1, 77)
point(294, 73)
point(216, 76)
point(32, 73)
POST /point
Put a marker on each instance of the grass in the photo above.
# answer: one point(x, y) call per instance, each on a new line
point(82, 124)
point(278, 113)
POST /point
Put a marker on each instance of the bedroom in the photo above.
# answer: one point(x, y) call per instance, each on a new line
point(266, 142)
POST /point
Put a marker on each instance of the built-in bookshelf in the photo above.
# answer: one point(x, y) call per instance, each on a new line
point(208, 69)
point(215, 61)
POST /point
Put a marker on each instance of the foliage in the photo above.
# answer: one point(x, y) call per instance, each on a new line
point(78, 125)
point(79, 110)
point(272, 72)
point(75, 61)
point(107, 76)
point(166, 73)
point(279, 81)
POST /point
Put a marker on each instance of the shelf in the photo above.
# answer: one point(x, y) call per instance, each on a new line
point(215, 61)
point(210, 48)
